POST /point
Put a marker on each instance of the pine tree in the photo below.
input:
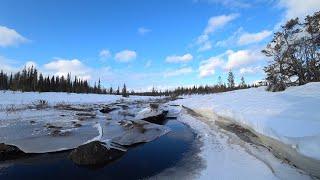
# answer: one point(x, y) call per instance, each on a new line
point(118, 91)
point(243, 83)
point(231, 83)
point(124, 91)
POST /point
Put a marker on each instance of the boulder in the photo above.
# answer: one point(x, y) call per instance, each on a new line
point(159, 118)
point(153, 116)
point(9, 152)
point(94, 153)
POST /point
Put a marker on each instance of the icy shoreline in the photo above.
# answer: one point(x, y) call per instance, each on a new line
point(292, 116)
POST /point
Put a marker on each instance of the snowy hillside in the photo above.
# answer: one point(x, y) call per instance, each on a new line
point(291, 116)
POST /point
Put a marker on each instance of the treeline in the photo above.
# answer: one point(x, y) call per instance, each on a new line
point(207, 89)
point(29, 80)
point(295, 52)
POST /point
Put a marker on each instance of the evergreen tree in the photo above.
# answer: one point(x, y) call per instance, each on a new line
point(231, 83)
point(124, 91)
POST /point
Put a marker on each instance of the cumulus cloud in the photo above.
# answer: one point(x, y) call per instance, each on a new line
point(249, 38)
point(179, 59)
point(218, 21)
point(143, 30)
point(64, 66)
point(236, 59)
point(178, 72)
point(214, 23)
point(251, 70)
point(126, 56)
point(10, 37)
point(104, 54)
point(299, 8)
point(208, 67)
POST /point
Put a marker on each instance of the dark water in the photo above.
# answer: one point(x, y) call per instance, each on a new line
point(139, 162)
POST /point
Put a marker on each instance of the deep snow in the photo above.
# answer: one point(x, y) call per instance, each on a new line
point(291, 116)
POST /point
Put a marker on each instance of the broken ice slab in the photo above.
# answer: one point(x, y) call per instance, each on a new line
point(139, 131)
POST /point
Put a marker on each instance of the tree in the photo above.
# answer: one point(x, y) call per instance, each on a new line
point(118, 91)
point(124, 91)
point(231, 83)
point(243, 83)
point(295, 52)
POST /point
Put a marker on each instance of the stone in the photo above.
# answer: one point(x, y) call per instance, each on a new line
point(94, 153)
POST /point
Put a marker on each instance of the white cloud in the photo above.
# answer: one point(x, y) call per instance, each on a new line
point(216, 22)
point(299, 8)
point(10, 37)
point(143, 30)
point(64, 66)
point(178, 59)
point(31, 64)
point(126, 56)
point(148, 64)
point(207, 67)
point(236, 59)
point(249, 38)
point(104, 54)
point(250, 70)
point(178, 72)
point(6, 65)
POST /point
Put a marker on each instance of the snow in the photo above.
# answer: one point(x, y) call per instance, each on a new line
point(291, 116)
point(226, 160)
point(19, 98)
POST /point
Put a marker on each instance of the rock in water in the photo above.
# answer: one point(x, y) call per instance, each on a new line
point(139, 131)
point(151, 115)
point(94, 153)
point(107, 109)
point(9, 152)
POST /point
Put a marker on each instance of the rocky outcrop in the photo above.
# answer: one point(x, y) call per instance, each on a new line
point(94, 153)
point(9, 152)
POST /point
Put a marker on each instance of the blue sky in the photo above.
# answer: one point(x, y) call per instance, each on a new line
point(143, 43)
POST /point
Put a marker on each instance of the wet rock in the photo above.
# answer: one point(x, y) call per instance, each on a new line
point(77, 125)
point(58, 132)
point(159, 118)
point(9, 152)
point(86, 114)
point(153, 116)
point(50, 126)
point(94, 153)
point(107, 109)
point(139, 131)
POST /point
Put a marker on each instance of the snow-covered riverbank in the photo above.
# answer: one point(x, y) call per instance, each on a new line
point(287, 122)
point(292, 116)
